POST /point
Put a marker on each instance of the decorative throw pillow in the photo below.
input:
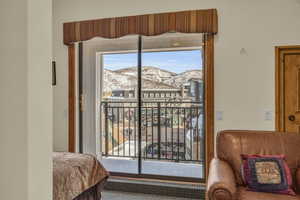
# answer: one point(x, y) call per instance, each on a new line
point(267, 173)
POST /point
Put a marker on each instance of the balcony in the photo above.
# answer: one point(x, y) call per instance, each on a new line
point(172, 137)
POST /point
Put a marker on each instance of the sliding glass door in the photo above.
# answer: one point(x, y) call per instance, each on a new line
point(119, 105)
point(152, 107)
point(172, 105)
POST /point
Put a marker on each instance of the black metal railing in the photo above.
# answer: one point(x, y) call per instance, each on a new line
point(169, 131)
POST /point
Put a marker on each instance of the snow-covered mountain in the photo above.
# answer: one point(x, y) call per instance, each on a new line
point(114, 81)
point(153, 78)
point(180, 79)
point(150, 73)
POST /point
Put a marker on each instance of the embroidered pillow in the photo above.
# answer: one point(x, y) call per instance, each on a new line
point(267, 173)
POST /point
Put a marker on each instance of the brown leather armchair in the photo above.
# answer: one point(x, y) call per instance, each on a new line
point(225, 181)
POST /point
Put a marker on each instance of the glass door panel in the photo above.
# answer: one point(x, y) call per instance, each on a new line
point(172, 106)
point(119, 104)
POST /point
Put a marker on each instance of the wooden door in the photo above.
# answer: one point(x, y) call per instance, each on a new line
point(288, 87)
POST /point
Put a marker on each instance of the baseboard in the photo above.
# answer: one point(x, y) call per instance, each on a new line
point(176, 189)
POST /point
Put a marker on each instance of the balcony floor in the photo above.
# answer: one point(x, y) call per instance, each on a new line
point(165, 168)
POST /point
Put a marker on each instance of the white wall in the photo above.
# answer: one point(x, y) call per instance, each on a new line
point(244, 83)
point(40, 99)
point(26, 100)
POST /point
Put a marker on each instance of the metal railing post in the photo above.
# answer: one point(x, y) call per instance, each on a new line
point(106, 128)
point(158, 129)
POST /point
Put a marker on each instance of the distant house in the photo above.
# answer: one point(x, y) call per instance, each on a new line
point(125, 93)
point(148, 93)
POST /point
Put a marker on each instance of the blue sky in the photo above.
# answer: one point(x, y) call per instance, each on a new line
point(175, 61)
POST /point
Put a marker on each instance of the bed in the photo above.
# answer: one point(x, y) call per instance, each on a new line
point(77, 177)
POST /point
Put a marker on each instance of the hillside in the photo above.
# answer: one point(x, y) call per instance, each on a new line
point(184, 77)
point(115, 80)
point(150, 73)
point(153, 78)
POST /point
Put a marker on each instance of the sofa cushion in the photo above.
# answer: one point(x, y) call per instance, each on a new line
point(244, 194)
point(231, 144)
point(267, 174)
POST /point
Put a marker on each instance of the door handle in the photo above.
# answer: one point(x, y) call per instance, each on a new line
point(292, 118)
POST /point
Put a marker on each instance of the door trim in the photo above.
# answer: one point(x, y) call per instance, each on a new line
point(280, 52)
point(71, 99)
point(209, 58)
point(80, 96)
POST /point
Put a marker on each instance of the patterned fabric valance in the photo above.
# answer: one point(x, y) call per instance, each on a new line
point(195, 21)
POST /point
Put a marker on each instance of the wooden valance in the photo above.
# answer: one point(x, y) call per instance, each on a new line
point(194, 21)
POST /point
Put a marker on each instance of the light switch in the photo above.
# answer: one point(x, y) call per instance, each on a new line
point(219, 115)
point(268, 115)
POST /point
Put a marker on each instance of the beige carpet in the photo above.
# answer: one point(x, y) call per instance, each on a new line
point(113, 195)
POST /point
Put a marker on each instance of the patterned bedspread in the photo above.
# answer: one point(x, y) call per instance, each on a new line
point(74, 173)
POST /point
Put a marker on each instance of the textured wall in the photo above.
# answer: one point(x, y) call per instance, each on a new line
point(26, 100)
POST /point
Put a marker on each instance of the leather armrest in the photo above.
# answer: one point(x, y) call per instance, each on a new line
point(221, 183)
